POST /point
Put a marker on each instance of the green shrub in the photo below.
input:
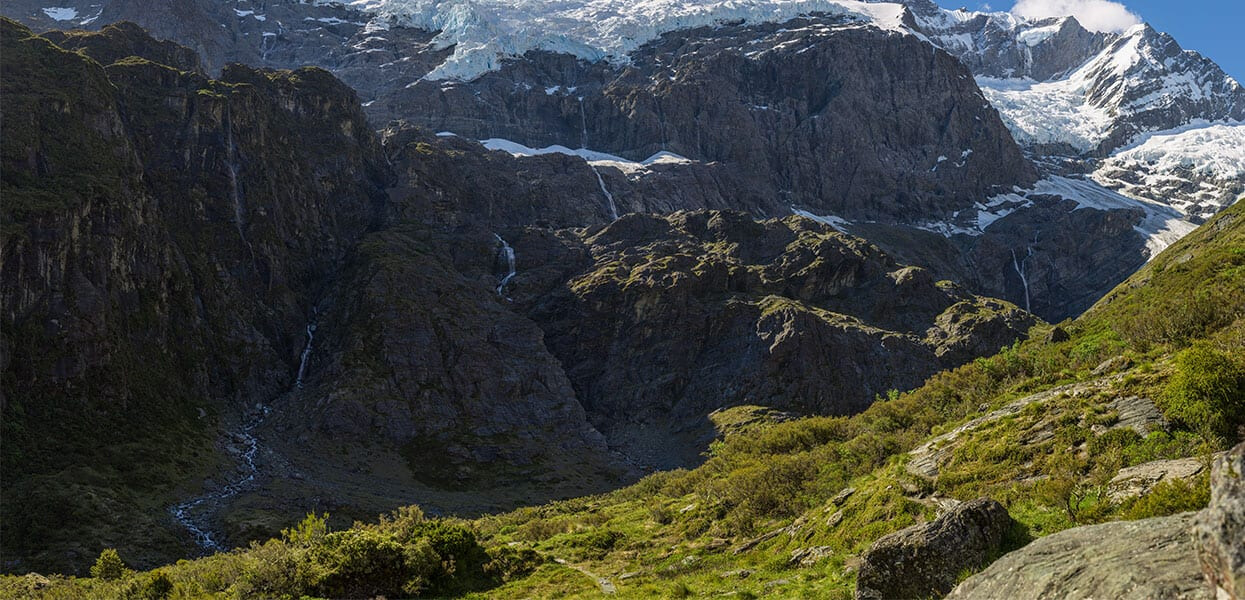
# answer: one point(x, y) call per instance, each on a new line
point(1171, 497)
point(154, 585)
point(1206, 394)
point(679, 590)
point(310, 531)
point(661, 514)
point(507, 564)
point(108, 566)
point(598, 542)
point(363, 563)
point(273, 569)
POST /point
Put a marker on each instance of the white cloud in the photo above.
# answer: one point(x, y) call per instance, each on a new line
point(1095, 15)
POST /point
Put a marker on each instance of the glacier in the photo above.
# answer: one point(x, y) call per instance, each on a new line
point(485, 32)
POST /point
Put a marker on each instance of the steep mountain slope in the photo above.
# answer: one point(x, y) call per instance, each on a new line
point(1086, 101)
point(773, 105)
point(1080, 425)
point(164, 238)
point(259, 310)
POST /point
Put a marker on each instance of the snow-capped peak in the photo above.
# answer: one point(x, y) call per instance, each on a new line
point(483, 32)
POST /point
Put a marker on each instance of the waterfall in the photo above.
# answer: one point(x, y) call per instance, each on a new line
point(231, 165)
point(1022, 267)
point(583, 145)
point(609, 198)
point(505, 253)
point(235, 193)
point(583, 125)
point(269, 42)
point(302, 363)
point(1019, 266)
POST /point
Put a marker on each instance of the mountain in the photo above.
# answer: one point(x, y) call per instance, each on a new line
point(743, 94)
point(1137, 112)
point(262, 307)
point(732, 277)
point(1093, 438)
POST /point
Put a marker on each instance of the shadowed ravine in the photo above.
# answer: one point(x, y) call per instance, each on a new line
point(196, 514)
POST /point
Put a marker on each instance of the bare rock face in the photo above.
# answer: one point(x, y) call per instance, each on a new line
point(1220, 528)
point(1151, 558)
point(791, 108)
point(661, 320)
point(164, 235)
point(925, 560)
point(1139, 479)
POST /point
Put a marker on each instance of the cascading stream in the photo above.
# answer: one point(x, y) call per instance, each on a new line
point(302, 362)
point(506, 253)
point(195, 513)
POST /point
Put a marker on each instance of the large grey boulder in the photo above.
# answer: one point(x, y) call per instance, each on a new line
point(1220, 529)
point(925, 560)
point(1151, 558)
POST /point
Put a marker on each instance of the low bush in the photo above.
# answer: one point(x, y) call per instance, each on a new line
point(1206, 394)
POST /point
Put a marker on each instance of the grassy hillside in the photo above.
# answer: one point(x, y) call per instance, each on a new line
point(1153, 371)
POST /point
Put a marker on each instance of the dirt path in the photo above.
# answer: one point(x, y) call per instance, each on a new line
point(607, 586)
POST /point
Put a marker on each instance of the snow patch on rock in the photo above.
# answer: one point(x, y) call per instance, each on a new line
point(61, 13)
point(838, 223)
point(591, 156)
point(1162, 225)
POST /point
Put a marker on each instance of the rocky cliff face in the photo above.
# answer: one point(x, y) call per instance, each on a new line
point(846, 114)
point(790, 108)
point(165, 236)
point(660, 321)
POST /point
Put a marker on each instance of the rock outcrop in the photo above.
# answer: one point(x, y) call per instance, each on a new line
point(925, 560)
point(1151, 558)
point(1137, 480)
point(659, 321)
point(1191, 556)
point(1220, 528)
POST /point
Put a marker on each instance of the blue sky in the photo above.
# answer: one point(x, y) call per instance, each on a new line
point(1216, 28)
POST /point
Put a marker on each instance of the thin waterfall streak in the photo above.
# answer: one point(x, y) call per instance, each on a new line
point(609, 198)
point(506, 253)
point(583, 125)
point(302, 363)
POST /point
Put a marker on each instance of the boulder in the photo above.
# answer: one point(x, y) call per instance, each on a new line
point(925, 560)
point(1140, 479)
point(1151, 558)
point(1219, 532)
